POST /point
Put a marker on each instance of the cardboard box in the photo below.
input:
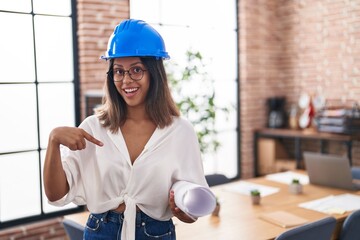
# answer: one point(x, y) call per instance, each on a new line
point(272, 157)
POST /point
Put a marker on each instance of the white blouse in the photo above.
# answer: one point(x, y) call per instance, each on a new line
point(104, 177)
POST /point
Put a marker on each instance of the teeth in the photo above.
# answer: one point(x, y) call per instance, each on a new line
point(130, 90)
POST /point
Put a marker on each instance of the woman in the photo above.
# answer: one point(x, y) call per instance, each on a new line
point(125, 159)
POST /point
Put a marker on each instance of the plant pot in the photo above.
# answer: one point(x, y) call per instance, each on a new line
point(295, 188)
point(255, 199)
point(216, 210)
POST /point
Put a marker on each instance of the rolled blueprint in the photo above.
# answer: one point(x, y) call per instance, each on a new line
point(193, 199)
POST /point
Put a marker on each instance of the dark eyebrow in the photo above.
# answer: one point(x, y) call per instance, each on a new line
point(135, 63)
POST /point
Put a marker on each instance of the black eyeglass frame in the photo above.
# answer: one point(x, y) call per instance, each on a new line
point(110, 73)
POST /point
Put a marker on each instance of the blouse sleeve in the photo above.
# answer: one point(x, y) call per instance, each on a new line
point(190, 165)
point(76, 190)
point(71, 163)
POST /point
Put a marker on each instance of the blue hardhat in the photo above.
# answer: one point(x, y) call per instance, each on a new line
point(135, 38)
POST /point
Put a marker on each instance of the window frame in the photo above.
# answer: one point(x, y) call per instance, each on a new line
point(77, 116)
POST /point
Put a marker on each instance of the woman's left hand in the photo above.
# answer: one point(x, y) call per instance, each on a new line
point(177, 211)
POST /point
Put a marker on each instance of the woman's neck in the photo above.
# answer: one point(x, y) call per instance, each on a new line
point(137, 114)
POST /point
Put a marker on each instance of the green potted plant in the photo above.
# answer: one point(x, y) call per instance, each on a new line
point(217, 208)
point(295, 187)
point(194, 93)
point(255, 196)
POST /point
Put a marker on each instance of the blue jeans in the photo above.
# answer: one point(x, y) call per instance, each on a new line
point(107, 226)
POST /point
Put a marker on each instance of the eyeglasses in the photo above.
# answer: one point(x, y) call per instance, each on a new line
point(136, 73)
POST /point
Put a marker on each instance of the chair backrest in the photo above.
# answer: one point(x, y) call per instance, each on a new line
point(216, 179)
point(318, 230)
point(74, 230)
point(355, 171)
point(351, 227)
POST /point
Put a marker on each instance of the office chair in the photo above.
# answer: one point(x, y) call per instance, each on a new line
point(318, 230)
point(351, 227)
point(74, 230)
point(216, 179)
point(355, 172)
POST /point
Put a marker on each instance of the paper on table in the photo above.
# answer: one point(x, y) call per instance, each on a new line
point(287, 177)
point(334, 204)
point(283, 219)
point(244, 187)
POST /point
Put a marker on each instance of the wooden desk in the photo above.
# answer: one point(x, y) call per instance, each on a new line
point(239, 219)
point(298, 136)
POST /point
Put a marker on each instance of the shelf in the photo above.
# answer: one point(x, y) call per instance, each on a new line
point(270, 155)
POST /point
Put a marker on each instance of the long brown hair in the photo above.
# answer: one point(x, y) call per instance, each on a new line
point(160, 105)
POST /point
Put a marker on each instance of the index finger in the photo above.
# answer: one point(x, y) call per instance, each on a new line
point(90, 138)
point(172, 200)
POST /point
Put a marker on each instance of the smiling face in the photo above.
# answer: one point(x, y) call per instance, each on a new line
point(133, 91)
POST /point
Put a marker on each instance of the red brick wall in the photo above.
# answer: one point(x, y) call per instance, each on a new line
point(259, 50)
point(290, 47)
point(47, 230)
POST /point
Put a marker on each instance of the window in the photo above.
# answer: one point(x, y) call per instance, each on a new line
point(37, 93)
point(210, 27)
